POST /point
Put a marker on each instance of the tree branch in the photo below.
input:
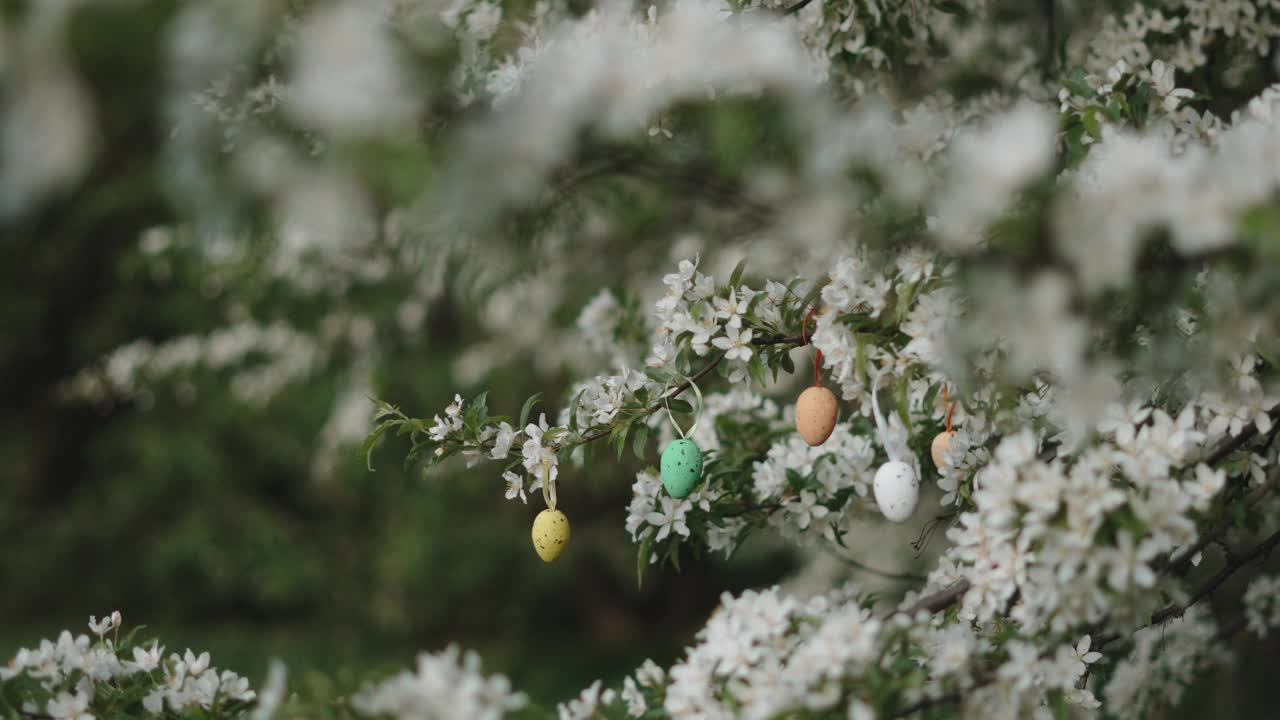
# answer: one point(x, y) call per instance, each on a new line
point(936, 602)
point(797, 7)
point(1181, 564)
point(684, 387)
point(797, 340)
point(1176, 610)
point(1232, 444)
point(948, 597)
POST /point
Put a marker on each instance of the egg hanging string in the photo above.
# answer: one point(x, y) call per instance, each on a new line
point(804, 340)
point(895, 485)
point(881, 427)
point(697, 413)
point(951, 407)
point(548, 487)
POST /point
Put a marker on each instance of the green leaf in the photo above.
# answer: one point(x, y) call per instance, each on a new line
point(642, 559)
point(1091, 123)
point(366, 448)
point(755, 367)
point(618, 438)
point(639, 440)
point(573, 412)
point(900, 399)
point(1058, 702)
point(795, 480)
point(736, 276)
point(660, 375)
point(788, 365)
point(383, 409)
point(524, 411)
point(127, 641)
point(476, 412)
point(930, 395)
point(1076, 83)
point(809, 298)
point(860, 357)
point(905, 300)
point(678, 405)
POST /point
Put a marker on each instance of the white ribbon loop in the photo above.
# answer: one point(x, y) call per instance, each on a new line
point(697, 411)
point(548, 488)
point(882, 430)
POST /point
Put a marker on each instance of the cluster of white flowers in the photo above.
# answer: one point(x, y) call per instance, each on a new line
point(842, 463)
point(1164, 662)
point(1012, 542)
point(74, 672)
point(763, 654)
point(988, 167)
point(1262, 604)
point(282, 356)
point(600, 398)
point(1130, 183)
point(1181, 31)
point(447, 685)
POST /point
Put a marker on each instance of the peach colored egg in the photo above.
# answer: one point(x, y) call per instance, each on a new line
point(816, 414)
point(941, 443)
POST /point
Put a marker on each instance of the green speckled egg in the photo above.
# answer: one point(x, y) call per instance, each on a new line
point(681, 467)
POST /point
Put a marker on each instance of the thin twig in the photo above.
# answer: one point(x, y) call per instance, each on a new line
point(927, 532)
point(745, 509)
point(888, 575)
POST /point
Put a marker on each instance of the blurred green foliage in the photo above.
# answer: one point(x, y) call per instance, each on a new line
point(203, 521)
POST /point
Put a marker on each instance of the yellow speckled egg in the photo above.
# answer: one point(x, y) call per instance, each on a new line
point(550, 534)
point(816, 414)
point(939, 448)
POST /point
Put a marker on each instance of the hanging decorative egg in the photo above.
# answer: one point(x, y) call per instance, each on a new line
point(550, 534)
point(941, 444)
point(816, 414)
point(681, 467)
point(897, 490)
point(896, 487)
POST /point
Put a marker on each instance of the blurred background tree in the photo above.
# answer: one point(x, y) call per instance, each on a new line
point(202, 514)
point(184, 392)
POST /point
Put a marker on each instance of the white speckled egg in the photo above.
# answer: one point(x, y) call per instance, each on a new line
point(550, 534)
point(816, 414)
point(941, 443)
point(897, 490)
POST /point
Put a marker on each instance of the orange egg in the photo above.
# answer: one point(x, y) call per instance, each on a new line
point(816, 414)
point(941, 443)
